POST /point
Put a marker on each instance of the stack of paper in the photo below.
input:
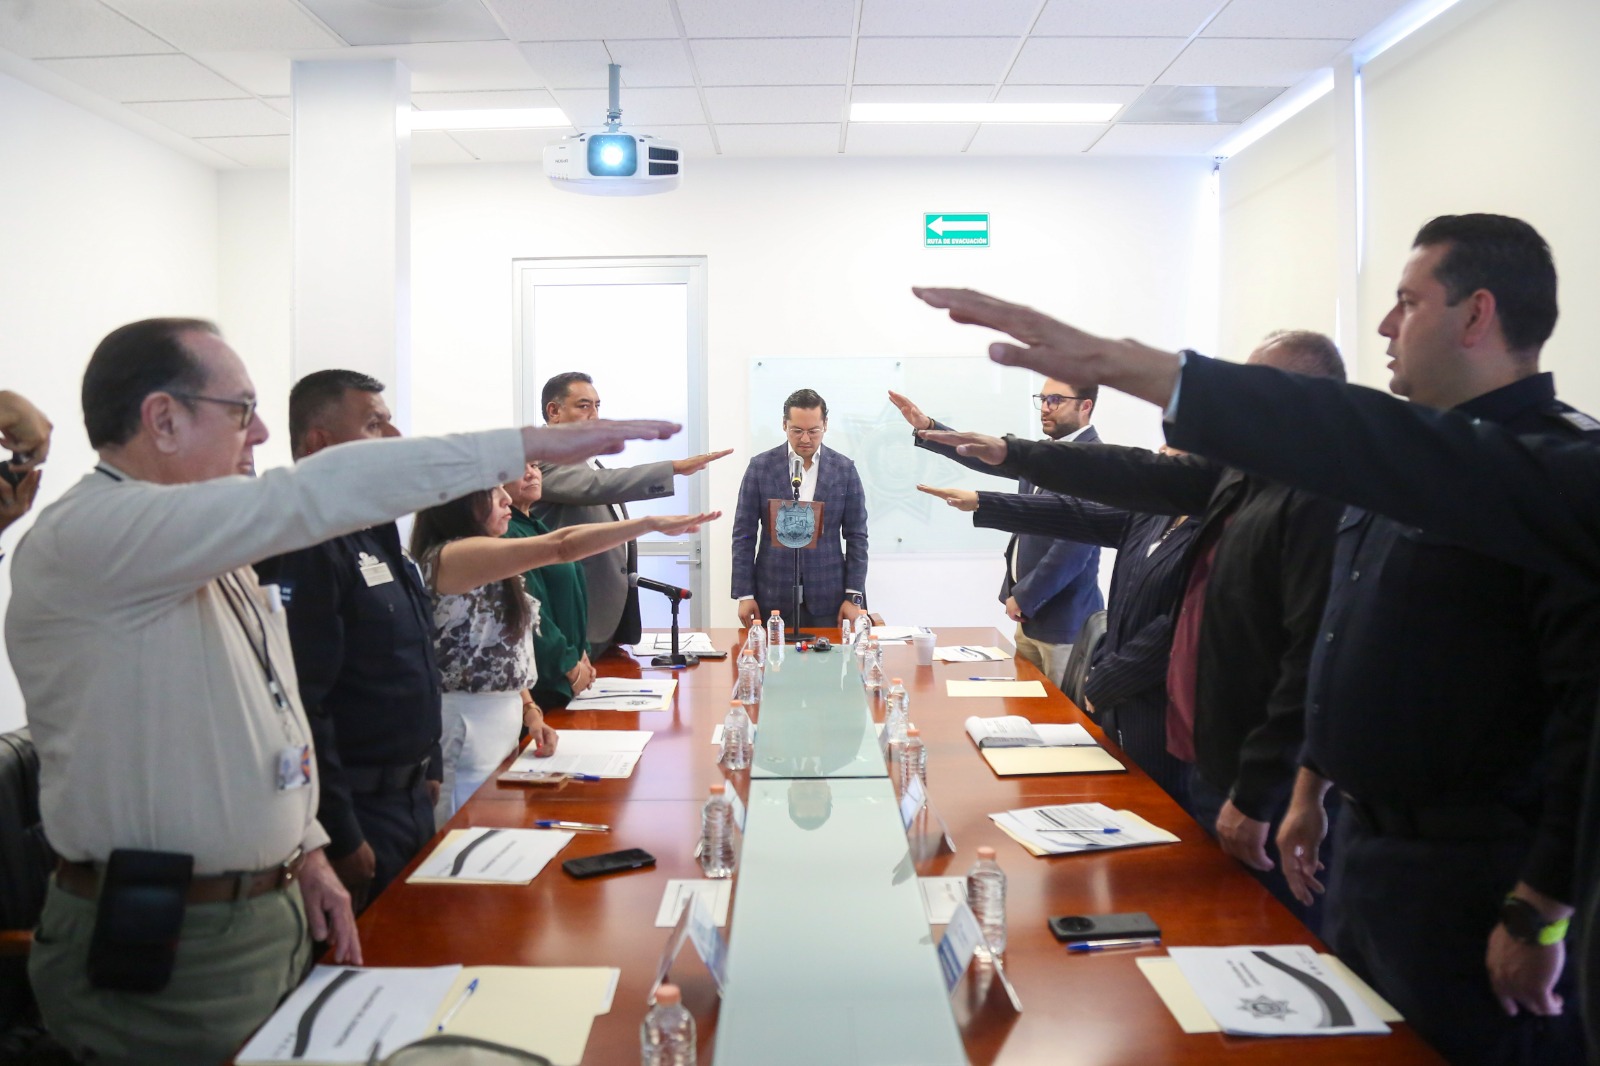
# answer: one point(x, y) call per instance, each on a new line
point(344, 1014)
point(1288, 990)
point(625, 694)
point(661, 644)
point(896, 634)
point(970, 653)
point(994, 687)
point(589, 752)
point(1012, 745)
point(1068, 828)
point(486, 856)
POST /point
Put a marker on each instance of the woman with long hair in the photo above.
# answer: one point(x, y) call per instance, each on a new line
point(484, 622)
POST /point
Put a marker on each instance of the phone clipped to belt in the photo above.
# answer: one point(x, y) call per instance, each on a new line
point(140, 917)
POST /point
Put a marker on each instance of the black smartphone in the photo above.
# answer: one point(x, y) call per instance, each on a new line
point(609, 863)
point(1085, 928)
point(138, 920)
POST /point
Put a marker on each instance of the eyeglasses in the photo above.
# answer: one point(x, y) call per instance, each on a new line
point(806, 434)
point(247, 408)
point(1042, 400)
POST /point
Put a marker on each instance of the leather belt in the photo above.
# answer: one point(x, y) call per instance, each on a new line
point(1443, 822)
point(82, 879)
point(365, 780)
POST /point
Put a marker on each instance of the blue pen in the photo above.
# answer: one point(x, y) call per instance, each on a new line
point(451, 1013)
point(1105, 945)
point(1097, 829)
point(584, 777)
point(991, 679)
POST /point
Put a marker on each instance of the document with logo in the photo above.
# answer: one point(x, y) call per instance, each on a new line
point(1274, 991)
point(609, 753)
point(971, 653)
point(625, 694)
point(486, 856)
point(1067, 828)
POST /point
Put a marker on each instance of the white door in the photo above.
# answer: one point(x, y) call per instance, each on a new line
point(637, 326)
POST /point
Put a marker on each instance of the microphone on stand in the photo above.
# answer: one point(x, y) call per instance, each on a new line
point(672, 592)
point(795, 476)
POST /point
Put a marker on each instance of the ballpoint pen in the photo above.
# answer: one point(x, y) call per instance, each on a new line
point(556, 823)
point(456, 1007)
point(1127, 942)
point(1068, 829)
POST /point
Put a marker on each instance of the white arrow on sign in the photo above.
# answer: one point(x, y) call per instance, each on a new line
point(939, 225)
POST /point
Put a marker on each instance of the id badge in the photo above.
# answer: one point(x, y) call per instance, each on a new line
point(374, 571)
point(294, 767)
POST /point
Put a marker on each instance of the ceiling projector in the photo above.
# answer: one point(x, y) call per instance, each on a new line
point(612, 162)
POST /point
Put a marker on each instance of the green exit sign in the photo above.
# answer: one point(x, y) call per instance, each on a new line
point(947, 228)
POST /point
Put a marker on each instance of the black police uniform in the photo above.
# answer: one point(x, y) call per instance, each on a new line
point(360, 621)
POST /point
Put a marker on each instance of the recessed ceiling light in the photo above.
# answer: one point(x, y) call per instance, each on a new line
point(1040, 113)
point(501, 118)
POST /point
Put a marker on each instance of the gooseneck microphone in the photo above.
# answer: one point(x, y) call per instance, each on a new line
point(670, 591)
point(795, 475)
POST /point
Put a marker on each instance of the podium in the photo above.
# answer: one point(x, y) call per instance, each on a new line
point(795, 524)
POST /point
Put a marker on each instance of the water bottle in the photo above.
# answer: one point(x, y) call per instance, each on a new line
point(775, 630)
point(757, 642)
point(873, 678)
point(736, 737)
point(748, 690)
point(986, 895)
point(913, 759)
point(666, 1036)
point(896, 711)
point(716, 834)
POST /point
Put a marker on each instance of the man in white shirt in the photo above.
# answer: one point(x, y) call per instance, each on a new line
point(161, 693)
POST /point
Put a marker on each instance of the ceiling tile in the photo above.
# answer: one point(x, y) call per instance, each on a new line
point(436, 148)
point(794, 103)
point(1231, 61)
point(1093, 60)
point(265, 152)
point(582, 64)
point(920, 94)
point(768, 18)
point(508, 146)
point(72, 28)
point(225, 25)
point(804, 138)
point(640, 107)
point(365, 22)
point(446, 67)
point(921, 138)
point(469, 101)
point(1020, 138)
point(1161, 140)
point(903, 60)
point(216, 118)
point(1347, 19)
point(946, 18)
point(1068, 94)
point(126, 79)
point(1165, 104)
point(793, 61)
point(578, 20)
point(1122, 18)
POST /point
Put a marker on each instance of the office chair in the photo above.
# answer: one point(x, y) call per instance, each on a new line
point(1083, 649)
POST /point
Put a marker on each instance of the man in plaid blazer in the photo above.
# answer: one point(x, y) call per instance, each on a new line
point(835, 570)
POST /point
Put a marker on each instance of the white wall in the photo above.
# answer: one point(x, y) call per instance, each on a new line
point(99, 227)
point(805, 258)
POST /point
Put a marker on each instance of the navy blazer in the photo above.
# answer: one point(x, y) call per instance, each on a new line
point(839, 560)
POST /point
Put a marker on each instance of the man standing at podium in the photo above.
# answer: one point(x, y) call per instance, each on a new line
point(834, 571)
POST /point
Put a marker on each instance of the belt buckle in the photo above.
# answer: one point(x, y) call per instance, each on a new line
point(289, 867)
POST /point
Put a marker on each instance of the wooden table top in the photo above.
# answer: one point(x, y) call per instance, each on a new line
point(1086, 1009)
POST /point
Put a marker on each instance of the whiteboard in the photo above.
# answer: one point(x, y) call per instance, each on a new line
point(966, 392)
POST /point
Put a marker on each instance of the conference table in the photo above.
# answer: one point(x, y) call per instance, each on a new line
point(1084, 1009)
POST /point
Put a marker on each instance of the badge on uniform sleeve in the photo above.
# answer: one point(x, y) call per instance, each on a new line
point(374, 571)
point(294, 767)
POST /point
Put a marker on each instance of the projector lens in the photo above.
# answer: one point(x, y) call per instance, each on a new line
point(613, 155)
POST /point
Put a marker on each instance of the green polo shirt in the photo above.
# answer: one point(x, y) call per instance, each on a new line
point(563, 611)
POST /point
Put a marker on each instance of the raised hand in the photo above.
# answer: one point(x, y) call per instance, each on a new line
point(991, 450)
point(960, 499)
point(696, 463)
point(673, 524)
point(24, 429)
point(573, 442)
point(910, 411)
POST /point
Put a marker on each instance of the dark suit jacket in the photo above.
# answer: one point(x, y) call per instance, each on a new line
point(1058, 580)
point(839, 560)
point(1262, 607)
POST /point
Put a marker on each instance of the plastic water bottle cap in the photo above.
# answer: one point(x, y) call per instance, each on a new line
point(775, 613)
point(896, 681)
point(985, 852)
point(735, 703)
point(717, 790)
point(913, 731)
point(668, 996)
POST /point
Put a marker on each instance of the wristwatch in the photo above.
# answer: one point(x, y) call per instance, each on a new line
point(1524, 922)
point(857, 599)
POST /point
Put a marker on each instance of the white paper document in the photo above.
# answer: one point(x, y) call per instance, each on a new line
point(339, 1012)
point(1274, 991)
point(490, 856)
point(895, 634)
point(995, 688)
point(941, 896)
point(594, 752)
point(682, 893)
point(626, 694)
point(1065, 828)
point(653, 644)
point(971, 653)
point(1015, 731)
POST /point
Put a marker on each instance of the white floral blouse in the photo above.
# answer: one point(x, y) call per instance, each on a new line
point(469, 635)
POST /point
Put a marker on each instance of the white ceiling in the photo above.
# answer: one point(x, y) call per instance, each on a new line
point(719, 77)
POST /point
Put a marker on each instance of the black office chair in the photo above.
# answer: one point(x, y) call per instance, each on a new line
point(1083, 649)
point(25, 864)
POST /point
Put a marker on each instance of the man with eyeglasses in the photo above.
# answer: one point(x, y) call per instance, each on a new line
point(1051, 586)
point(834, 571)
point(178, 783)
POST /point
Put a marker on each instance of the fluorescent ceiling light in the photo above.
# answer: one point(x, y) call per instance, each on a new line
point(1038, 113)
point(1402, 24)
point(502, 118)
point(1277, 113)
